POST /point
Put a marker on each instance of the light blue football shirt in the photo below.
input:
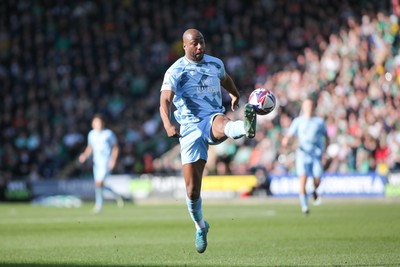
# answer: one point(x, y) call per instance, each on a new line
point(310, 133)
point(101, 143)
point(197, 88)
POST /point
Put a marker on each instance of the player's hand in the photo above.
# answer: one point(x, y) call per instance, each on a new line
point(284, 142)
point(234, 102)
point(82, 158)
point(172, 131)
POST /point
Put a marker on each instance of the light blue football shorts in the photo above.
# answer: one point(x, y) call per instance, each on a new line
point(195, 140)
point(100, 173)
point(311, 165)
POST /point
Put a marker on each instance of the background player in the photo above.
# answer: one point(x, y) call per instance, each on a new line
point(102, 143)
point(313, 140)
point(193, 85)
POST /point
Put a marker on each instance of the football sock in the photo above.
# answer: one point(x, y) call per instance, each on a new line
point(234, 129)
point(195, 211)
point(99, 196)
point(303, 201)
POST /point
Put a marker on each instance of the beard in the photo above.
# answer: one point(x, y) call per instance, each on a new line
point(198, 56)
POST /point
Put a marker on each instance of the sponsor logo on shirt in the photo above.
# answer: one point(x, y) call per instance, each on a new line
point(207, 89)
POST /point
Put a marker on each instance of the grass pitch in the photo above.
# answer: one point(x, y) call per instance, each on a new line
point(270, 232)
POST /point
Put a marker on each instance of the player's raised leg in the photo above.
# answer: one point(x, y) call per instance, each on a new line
point(192, 173)
point(118, 198)
point(317, 173)
point(316, 196)
point(223, 127)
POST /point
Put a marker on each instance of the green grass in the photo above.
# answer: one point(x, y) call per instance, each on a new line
point(243, 233)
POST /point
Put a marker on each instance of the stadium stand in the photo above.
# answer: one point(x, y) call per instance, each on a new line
point(62, 61)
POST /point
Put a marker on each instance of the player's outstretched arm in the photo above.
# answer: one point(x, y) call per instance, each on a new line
point(165, 113)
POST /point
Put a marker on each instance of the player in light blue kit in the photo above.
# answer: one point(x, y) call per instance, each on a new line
point(193, 84)
point(102, 143)
point(313, 140)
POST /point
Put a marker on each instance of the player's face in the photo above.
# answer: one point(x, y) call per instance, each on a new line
point(308, 107)
point(195, 47)
point(97, 124)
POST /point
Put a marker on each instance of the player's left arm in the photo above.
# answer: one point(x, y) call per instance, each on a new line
point(327, 141)
point(324, 135)
point(229, 85)
point(114, 156)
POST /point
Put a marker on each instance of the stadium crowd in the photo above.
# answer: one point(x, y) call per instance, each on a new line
point(62, 61)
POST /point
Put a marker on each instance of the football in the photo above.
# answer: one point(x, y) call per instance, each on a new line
point(262, 100)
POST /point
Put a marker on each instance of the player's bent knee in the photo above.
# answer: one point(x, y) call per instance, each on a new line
point(218, 127)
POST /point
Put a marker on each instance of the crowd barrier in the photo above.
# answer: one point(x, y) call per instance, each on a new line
point(153, 186)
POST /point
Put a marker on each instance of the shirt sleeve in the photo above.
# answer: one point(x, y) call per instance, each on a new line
point(169, 82)
point(222, 72)
point(90, 138)
point(294, 127)
point(324, 127)
point(113, 138)
point(220, 67)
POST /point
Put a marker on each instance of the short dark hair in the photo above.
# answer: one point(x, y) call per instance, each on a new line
point(99, 116)
point(313, 97)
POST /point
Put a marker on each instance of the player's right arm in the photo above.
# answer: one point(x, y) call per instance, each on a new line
point(165, 113)
point(290, 134)
point(286, 139)
point(85, 154)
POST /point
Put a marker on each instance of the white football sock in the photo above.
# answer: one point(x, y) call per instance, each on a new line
point(235, 129)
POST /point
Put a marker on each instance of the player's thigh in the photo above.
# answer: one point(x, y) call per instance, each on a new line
point(301, 166)
point(304, 163)
point(194, 146)
point(100, 174)
point(218, 127)
point(317, 168)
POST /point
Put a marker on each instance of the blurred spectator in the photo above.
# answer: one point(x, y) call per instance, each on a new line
point(62, 61)
point(263, 181)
